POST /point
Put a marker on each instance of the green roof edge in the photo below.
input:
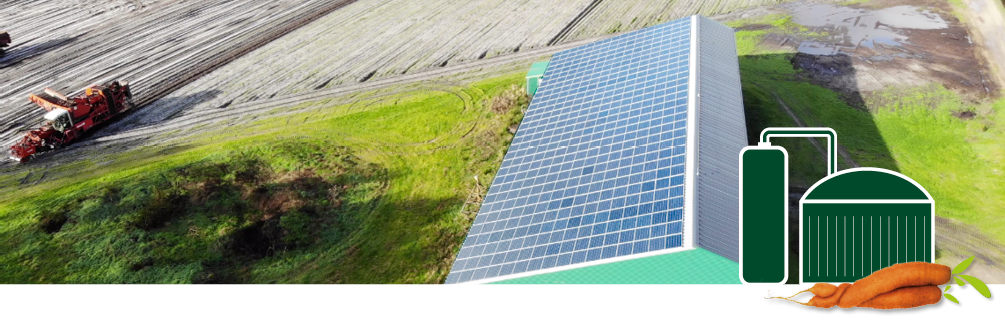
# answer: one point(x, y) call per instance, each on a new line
point(537, 69)
point(696, 266)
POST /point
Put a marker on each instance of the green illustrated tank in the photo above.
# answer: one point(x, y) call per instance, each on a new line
point(860, 220)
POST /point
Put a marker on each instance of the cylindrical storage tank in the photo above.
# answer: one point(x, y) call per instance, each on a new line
point(764, 205)
point(860, 220)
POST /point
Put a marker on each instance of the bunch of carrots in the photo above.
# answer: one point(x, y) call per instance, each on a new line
point(899, 286)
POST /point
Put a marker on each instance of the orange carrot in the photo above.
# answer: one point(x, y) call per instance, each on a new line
point(892, 278)
point(905, 297)
point(830, 301)
point(823, 289)
point(825, 295)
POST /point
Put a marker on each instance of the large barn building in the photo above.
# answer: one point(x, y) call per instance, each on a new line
point(624, 169)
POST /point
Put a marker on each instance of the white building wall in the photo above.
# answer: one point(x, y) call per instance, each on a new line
point(721, 135)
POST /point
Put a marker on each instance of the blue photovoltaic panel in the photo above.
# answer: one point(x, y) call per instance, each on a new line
point(596, 169)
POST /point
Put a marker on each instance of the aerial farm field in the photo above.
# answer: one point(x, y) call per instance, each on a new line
point(354, 146)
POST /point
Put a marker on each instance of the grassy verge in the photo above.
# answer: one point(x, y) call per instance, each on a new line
point(367, 192)
point(961, 162)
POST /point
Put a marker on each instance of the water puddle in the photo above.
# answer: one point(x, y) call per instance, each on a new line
point(849, 28)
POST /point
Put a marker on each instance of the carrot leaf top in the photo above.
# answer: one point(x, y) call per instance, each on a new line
point(963, 266)
point(977, 283)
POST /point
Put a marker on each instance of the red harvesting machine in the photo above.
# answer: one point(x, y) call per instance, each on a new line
point(4, 40)
point(70, 118)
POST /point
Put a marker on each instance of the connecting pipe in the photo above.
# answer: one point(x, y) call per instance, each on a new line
point(806, 132)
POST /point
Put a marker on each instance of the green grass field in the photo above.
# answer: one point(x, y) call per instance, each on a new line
point(368, 192)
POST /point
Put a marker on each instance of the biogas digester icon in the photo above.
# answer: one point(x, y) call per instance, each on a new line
point(852, 222)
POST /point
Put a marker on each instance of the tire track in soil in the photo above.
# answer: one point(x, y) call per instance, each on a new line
point(574, 23)
point(377, 100)
point(956, 241)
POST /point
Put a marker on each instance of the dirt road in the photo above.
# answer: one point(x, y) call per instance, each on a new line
point(986, 19)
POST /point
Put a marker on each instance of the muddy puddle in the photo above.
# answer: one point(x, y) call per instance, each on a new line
point(860, 50)
point(848, 29)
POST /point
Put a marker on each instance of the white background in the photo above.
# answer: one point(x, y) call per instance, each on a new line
point(455, 303)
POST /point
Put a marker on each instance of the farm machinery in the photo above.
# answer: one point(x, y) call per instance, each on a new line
point(4, 41)
point(68, 119)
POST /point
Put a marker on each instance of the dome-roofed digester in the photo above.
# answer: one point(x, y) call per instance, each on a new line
point(860, 220)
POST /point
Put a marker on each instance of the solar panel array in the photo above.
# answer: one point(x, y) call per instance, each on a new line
point(596, 169)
